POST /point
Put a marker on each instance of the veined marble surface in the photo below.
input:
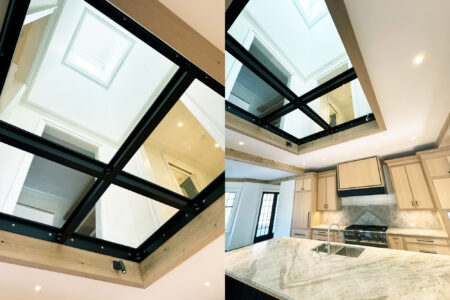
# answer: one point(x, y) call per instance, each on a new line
point(418, 232)
point(287, 268)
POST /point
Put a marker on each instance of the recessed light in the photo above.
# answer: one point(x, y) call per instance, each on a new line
point(418, 59)
point(323, 158)
point(241, 143)
point(38, 288)
point(377, 146)
point(412, 138)
point(207, 284)
point(216, 145)
point(347, 153)
point(180, 124)
point(304, 164)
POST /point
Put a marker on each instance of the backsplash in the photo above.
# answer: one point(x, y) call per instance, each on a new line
point(387, 215)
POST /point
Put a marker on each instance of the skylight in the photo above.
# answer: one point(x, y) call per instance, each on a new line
point(97, 48)
point(311, 10)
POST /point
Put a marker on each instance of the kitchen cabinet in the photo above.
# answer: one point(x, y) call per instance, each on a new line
point(322, 235)
point(305, 197)
point(423, 244)
point(437, 167)
point(410, 186)
point(327, 198)
point(360, 177)
point(396, 242)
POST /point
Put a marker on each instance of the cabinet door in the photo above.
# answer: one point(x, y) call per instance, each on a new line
point(331, 193)
point(307, 184)
point(402, 189)
point(302, 208)
point(419, 188)
point(439, 166)
point(299, 185)
point(396, 242)
point(321, 193)
point(442, 187)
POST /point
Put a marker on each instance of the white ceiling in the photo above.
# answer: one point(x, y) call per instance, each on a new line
point(207, 17)
point(414, 99)
point(236, 169)
point(186, 281)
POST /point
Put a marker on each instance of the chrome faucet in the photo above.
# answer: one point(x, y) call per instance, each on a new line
point(328, 243)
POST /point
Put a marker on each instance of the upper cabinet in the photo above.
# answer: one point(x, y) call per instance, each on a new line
point(327, 198)
point(410, 186)
point(303, 184)
point(436, 163)
point(360, 177)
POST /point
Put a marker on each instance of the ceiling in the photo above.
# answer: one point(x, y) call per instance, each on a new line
point(237, 169)
point(188, 278)
point(414, 99)
point(207, 17)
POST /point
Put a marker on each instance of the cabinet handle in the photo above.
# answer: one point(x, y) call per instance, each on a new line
point(412, 202)
point(417, 204)
point(309, 219)
point(395, 238)
point(426, 241)
point(300, 234)
point(431, 252)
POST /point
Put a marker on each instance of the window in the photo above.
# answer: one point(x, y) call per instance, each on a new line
point(288, 72)
point(264, 227)
point(230, 197)
point(106, 144)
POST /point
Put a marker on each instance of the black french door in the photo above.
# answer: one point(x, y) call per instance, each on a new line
point(266, 216)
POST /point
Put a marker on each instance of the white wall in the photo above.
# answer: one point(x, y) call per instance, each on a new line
point(244, 216)
point(283, 217)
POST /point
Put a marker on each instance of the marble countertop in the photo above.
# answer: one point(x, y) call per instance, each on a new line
point(418, 232)
point(288, 269)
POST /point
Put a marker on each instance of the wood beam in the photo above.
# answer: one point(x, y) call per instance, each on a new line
point(240, 125)
point(202, 230)
point(444, 135)
point(165, 24)
point(31, 252)
point(340, 137)
point(260, 161)
point(247, 180)
point(341, 19)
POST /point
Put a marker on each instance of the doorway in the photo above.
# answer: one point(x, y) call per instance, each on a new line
point(266, 216)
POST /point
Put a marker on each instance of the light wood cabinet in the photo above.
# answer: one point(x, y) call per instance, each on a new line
point(430, 245)
point(396, 242)
point(360, 174)
point(305, 197)
point(322, 235)
point(410, 186)
point(442, 187)
point(327, 198)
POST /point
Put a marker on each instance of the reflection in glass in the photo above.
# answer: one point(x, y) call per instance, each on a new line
point(124, 217)
point(297, 124)
point(38, 189)
point(186, 150)
point(75, 68)
point(295, 39)
point(343, 104)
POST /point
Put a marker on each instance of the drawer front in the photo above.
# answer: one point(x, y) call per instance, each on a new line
point(432, 249)
point(396, 242)
point(320, 238)
point(322, 232)
point(339, 237)
point(426, 241)
point(300, 233)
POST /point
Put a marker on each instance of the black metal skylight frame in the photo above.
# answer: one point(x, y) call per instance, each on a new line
point(295, 102)
point(111, 173)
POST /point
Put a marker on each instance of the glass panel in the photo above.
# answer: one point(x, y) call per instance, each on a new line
point(343, 104)
point(249, 92)
point(38, 189)
point(124, 217)
point(229, 202)
point(76, 69)
point(186, 150)
point(296, 40)
point(297, 124)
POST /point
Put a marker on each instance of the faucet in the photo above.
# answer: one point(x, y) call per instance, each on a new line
point(328, 243)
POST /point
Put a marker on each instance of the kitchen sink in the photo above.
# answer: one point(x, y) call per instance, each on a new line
point(339, 250)
point(323, 248)
point(350, 251)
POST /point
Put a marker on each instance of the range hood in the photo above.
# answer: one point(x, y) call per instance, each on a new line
point(361, 177)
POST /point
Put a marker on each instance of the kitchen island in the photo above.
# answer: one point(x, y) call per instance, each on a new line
point(287, 269)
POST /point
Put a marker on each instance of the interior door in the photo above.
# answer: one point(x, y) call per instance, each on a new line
point(266, 216)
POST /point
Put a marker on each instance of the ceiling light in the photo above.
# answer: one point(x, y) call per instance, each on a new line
point(38, 288)
point(323, 158)
point(216, 145)
point(241, 143)
point(347, 153)
point(304, 164)
point(180, 124)
point(207, 284)
point(412, 138)
point(418, 59)
point(377, 146)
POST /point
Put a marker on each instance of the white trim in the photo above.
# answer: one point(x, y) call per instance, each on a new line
point(36, 15)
